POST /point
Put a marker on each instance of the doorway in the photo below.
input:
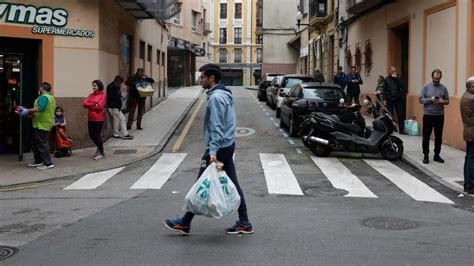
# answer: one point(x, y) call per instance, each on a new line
point(18, 86)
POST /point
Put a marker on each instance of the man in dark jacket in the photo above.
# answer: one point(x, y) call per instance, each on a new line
point(340, 78)
point(135, 99)
point(353, 81)
point(393, 94)
point(318, 76)
point(114, 106)
point(467, 114)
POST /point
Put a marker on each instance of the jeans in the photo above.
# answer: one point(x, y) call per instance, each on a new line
point(140, 102)
point(469, 166)
point(430, 122)
point(40, 146)
point(224, 155)
point(118, 122)
point(95, 130)
point(398, 105)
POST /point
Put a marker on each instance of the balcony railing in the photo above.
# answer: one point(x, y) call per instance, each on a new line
point(318, 9)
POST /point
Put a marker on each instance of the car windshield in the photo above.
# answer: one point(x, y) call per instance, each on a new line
point(322, 93)
point(290, 82)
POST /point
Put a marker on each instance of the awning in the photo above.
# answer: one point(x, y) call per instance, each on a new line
point(295, 42)
point(151, 9)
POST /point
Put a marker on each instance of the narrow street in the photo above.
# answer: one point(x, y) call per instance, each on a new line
point(305, 210)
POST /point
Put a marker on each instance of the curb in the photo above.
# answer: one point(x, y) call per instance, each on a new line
point(158, 148)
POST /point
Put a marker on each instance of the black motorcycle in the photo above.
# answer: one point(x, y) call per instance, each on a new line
point(329, 134)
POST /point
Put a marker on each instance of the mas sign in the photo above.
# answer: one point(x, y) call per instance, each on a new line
point(51, 20)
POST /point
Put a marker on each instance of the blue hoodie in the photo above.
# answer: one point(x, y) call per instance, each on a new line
point(219, 122)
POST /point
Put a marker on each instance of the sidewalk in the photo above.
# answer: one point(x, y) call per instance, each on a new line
point(158, 123)
point(449, 173)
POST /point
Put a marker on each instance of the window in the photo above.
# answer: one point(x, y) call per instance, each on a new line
point(223, 11)
point(149, 54)
point(194, 20)
point(238, 35)
point(177, 18)
point(323, 93)
point(222, 35)
point(238, 10)
point(237, 55)
point(163, 58)
point(290, 82)
point(222, 55)
point(141, 50)
point(259, 39)
point(259, 55)
point(318, 8)
point(158, 54)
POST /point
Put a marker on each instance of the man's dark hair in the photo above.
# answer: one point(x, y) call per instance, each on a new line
point(216, 72)
point(118, 78)
point(339, 68)
point(139, 70)
point(210, 65)
point(436, 71)
point(46, 86)
point(99, 84)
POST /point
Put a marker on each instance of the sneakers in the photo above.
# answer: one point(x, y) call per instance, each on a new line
point(34, 164)
point(239, 228)
point(127, 137)
point(438, 159)
point(44, 167)
point(115, 137)
point(177, 225)
point(99, 157)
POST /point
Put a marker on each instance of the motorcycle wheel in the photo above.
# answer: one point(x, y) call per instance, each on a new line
point(320, 150)
point(392, 153)
point(278, 112)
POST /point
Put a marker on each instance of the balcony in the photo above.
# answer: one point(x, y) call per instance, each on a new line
point(318, 9)
point(206, 28)
point(359, 6)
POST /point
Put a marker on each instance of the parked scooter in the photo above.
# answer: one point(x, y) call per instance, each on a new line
point(328, 134)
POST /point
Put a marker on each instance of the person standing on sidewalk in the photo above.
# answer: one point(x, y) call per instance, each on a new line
point(114, 106)
point(318, 76)
point(42, 115)
point(95, 104)
point(135, 99)
point(467, 114)
point(393, 94)
point(340, 78)
point(434, 97)
point(219, 136)
point(353, 81)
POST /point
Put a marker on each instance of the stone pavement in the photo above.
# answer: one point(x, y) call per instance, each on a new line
point(449, 173)
point(158, 123)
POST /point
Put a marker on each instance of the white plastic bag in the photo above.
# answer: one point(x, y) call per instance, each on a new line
point(213, 194)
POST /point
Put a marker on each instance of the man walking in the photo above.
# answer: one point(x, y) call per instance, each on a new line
point(340, 78)
point(114, 106)
point(353, 81)
point(393, 92)
point(434, 97)
point(219, 137)
point(43, 120)
point(467, 114)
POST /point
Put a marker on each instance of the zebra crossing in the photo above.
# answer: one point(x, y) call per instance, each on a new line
point(279, 177)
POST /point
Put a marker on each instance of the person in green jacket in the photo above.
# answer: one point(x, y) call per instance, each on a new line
point(42, 115)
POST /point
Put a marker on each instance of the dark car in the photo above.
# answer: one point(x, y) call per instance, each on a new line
point(275, 82)
point(284, 84)
point(262, 87)
point(305, 98)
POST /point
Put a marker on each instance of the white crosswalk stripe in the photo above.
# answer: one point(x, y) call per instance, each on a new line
point(342, 178)
point(406, 182)
point(160, 172)
point(278, 174)
point(94, 180)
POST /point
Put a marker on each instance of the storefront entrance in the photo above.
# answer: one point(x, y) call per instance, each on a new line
point(232, 77)
point(18, 86)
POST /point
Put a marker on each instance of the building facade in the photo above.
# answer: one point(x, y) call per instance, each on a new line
point(70, 44)
point(234, 43)
point(416, 37)
point(188, 46)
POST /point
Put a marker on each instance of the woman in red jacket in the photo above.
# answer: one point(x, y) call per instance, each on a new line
point(95, 104)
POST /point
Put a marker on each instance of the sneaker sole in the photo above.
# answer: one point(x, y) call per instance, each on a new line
point(176, 230)
point(240, 232)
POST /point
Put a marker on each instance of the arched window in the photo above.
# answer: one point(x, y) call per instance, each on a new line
point(368, 57)
point(358, 57)
point(348, 58)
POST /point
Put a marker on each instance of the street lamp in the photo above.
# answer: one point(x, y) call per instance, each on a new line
point(299, 17)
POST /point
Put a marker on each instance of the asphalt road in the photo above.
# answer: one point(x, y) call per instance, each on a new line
point(113, 224)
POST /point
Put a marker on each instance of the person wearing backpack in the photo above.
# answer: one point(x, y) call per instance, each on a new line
point(219, 136)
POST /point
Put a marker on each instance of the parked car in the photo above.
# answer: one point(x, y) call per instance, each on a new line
point(305, 98)
point(262, 86)
point(275, 82)
point(284, 85)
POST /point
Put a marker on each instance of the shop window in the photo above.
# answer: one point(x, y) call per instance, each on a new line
point(238, 10)
point(141, 50)
point(237, 55)
point(223, 11)
point(259, 55)
point(158, 56)
point(222, 35)
point(237, 35)
point(222, 55)
point(150, 53)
